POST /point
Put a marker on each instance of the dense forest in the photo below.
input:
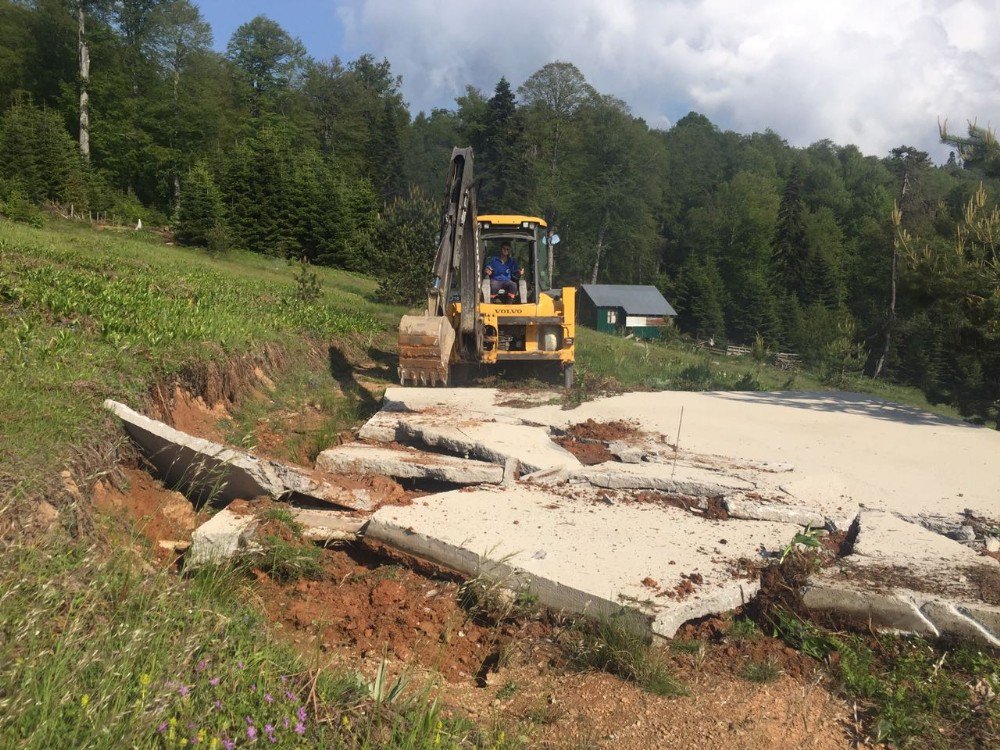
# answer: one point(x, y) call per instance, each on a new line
point(121, 110)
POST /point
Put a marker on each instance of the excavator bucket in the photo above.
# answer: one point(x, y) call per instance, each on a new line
point(425, 344)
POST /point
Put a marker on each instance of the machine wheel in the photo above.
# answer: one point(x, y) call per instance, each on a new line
point(568, 376)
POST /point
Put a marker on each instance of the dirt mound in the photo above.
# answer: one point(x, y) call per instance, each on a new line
point(156, 512)
point(619, 429)
point(366, 605)
point(587, 453)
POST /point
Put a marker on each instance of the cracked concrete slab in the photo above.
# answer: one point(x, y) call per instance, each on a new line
point(664, 564)
point(206, 470)
point(476, 436)
point(779, 461)
point(829, 452)
point(682, 479)
point(408, 463)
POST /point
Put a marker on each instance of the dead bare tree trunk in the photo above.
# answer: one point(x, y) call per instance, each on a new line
point(890, 323)
point(600, 249)
point(84, 55)
point(897, 223)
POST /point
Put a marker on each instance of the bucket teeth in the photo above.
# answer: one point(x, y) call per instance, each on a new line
point(425, 346)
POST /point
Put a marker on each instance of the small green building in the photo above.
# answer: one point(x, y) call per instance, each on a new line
point(625, 309)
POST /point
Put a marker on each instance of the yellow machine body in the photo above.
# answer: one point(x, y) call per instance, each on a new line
point(466, 321)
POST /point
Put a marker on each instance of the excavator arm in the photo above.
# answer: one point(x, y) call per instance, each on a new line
point(427, 343)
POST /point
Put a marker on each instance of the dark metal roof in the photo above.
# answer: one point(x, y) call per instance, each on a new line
point(634, 299)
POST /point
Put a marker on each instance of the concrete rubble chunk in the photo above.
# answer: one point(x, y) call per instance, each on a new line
point(594, 557)
point(407, 463)
point(221, 537)
point(206, 470)
point(329, 525)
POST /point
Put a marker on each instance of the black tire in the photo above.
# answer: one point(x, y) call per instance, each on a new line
point(568, 376)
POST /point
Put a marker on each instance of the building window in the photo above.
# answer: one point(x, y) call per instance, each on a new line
point(612, 317)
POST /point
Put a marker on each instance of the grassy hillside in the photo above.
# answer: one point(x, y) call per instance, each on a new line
point(86, 315)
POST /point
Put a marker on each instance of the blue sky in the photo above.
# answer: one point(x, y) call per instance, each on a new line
point(315, 22)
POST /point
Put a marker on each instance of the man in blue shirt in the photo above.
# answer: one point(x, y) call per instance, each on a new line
point(504, 272)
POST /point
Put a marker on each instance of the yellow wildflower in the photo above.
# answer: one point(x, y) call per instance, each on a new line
point(144, 680)
point(85, 700)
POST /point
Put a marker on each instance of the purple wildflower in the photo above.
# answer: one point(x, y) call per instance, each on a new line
point(284, 679)
point(300, 728)
point(214, 681)
point(228, 744)
point(162, 728)
point(292, 697)
point(269, 731)
point(184, 690)
point(251, 732)
point(248, 720)
point(301, 713)
point(268, 697)
point(253, 688)
point(288, 722)
point(201, 666)
point(217, 704)
point(240, 664)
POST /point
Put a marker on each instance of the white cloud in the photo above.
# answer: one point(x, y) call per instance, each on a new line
point(877, 73)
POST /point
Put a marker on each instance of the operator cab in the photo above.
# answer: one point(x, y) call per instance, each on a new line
point(524, 234)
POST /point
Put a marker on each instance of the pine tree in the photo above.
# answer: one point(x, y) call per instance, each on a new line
point(788, 248)
point(508, 172)
point(199, 214)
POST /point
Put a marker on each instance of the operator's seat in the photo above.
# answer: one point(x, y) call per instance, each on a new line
point(501, 297)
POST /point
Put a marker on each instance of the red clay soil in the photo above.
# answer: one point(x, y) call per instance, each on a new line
point(158, 513)
point(192, 415)
point(588, 441)
point(365, 605)
point(587, 453)
point(606, 431)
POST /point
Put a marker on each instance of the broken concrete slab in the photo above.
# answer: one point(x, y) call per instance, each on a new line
point(740, 506)
point(221, 537)
point(205, 470)
point(682, 479)
point(903, 577)
point(581, 555)
point(486, 441)
point(407, 463)
point(884, 539)
point(839, 443)
point(901, 610)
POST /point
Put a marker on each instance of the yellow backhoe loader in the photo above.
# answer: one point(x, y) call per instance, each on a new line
point(468, 320)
